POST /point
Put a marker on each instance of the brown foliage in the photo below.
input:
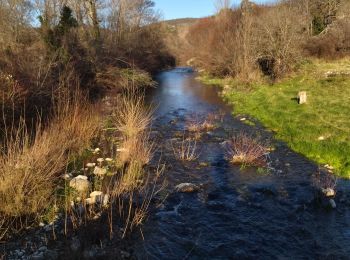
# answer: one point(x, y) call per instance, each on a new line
point(333, 43)
point(246, 150)
point(31, 162)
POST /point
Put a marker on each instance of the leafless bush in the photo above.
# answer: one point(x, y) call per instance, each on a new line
point(333, 43)
point(185, 150)
point(197, 123)
point(132, 117)
point(246, 150)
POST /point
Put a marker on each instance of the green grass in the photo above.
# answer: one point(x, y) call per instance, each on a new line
point(326, 114)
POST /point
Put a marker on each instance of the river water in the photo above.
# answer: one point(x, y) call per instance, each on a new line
point(238, 213)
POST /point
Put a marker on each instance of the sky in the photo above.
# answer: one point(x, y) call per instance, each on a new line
point(173, 9)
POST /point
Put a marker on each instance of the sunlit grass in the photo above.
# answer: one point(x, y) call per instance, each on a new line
point(319, 129)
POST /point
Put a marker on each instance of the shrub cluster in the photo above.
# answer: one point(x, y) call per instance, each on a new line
point(254, 40)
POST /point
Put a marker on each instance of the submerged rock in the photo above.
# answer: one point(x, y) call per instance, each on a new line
point(187, 188)
point(332, 203)
point(75, 244)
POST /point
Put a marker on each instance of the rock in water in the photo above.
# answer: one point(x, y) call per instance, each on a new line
point(329, 192)
point(80, 183)
point(187, 188)
point(302, 97)
point(332, 203)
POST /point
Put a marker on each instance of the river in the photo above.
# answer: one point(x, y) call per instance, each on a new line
point(238, 213)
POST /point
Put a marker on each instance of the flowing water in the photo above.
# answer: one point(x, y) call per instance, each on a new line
point(238, 213)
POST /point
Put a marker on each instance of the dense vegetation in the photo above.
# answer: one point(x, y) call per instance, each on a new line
point(253, 40)
point(57, 60)
point(264, 55)
point(52, 47)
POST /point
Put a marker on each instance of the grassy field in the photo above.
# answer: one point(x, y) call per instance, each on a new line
point(319, 129)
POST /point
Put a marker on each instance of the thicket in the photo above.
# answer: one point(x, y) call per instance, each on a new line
point(57, 58)
point(254, 40)
point(52, 47)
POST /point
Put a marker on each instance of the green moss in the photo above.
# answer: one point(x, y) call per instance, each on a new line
point(325, 116)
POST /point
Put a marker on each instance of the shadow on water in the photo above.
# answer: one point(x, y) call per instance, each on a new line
point(238, 213)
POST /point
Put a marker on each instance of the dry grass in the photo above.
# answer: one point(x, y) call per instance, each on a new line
point(197, 123)
point(138, 148)
point(246, 150)
point(131, 208)
point(132, 117)
point(31, 162)
point(186, 150)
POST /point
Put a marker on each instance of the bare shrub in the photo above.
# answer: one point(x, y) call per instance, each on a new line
point(333, 43)
point(197, 123)
point(132, 117)
point(115, 78)
point(138, 148)
point(280, 34)
point(185, 150)
point(246, 150)
point(32, 161)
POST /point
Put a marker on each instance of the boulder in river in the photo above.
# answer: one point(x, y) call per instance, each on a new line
point(187, 188)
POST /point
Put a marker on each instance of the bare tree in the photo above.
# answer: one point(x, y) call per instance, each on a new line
point(222, 5)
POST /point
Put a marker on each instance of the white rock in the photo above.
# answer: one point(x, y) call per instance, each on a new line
point(186, 188)
point(109, 160)
point(329, 192)
point(100, 171)
point(90, 165)
point(96, 196)
point(67, 176)
point(243, 119)
point(100, 160)
point(80, 183)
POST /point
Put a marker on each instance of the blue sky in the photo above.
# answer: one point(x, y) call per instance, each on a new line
point(172, 9)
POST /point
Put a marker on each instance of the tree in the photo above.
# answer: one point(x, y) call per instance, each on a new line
point(54, 37)
point(222, 5)
point(92, 7)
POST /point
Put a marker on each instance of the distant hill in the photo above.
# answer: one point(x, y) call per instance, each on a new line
point(176, 37)
point(181, 22)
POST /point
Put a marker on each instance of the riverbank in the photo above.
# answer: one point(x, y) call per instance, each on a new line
point(320, 129)
point(89, 157)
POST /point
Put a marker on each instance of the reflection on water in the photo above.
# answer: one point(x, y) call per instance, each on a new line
point(178, 89)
